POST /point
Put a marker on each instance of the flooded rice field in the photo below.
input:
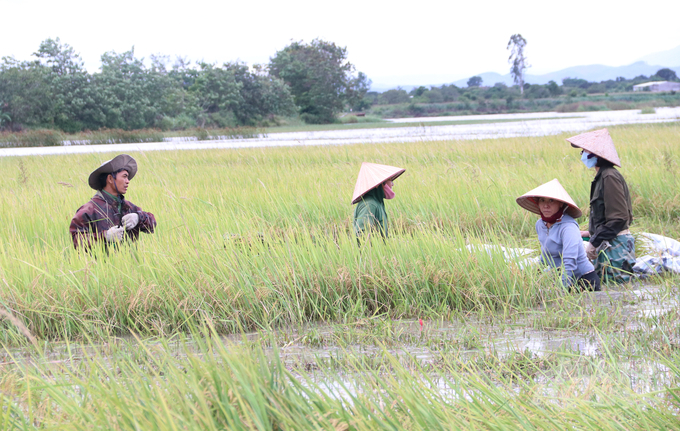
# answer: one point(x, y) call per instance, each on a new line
point(592, 326)
point(509, 126)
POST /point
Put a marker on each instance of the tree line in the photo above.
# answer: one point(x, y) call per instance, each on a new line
point(313, 80)
point(475, 90)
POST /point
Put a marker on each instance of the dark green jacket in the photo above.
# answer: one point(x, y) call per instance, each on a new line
point(370, 215)
point(611, 210)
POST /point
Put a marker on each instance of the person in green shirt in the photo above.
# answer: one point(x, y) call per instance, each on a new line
point(373, 186)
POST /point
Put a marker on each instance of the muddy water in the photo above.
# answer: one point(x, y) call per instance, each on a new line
point(422, 343)
point(428, 130)
point(516, 336)
point(315, 349)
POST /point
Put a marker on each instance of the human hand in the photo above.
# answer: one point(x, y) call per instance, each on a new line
point(585, 233)
point(591, 251)
point(115, 234)
point(129, 221)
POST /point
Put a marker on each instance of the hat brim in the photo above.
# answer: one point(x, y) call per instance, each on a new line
point(120, 162)
point(597, 142)
point(550, 190)
point(530, 203)
point(371, 176)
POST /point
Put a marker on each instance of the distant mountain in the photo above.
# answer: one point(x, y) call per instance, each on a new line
point(670, 57)
point(647, 65)
point(593, 73)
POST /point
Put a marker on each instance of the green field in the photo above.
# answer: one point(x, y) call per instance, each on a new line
point(261, 240)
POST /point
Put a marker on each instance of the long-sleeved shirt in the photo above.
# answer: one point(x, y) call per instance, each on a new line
point(102, 212)
point(562, 245)
point(611, 210)
point(370, 215)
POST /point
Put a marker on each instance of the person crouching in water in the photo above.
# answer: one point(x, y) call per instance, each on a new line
point(611, 245)
point(108, 218)
point(373, 186)
point(559, 234)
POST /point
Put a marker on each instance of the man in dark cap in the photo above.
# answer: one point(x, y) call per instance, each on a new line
point(108, 217)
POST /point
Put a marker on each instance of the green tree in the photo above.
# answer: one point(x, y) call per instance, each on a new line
point(357, 90)
point(130, 94)
point(554, 89)
point(218, 93)
point(319, 76)
point(667, 74)
point(475, 81)
point(393, 96)
point(26, 94)
point(261, 95)
point(417, 92)
point(517, 59)
point(75, 102)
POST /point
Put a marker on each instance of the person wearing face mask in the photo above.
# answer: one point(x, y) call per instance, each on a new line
point(611, 245)
point(373, 186)
point(108, 217)
point(559, 234)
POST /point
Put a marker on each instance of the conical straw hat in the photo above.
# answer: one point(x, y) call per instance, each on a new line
point(550, 190)
point(372, 175)
point(597, 142)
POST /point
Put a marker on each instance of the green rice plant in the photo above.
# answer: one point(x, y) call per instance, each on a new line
point(204, 383)
point(260, 239)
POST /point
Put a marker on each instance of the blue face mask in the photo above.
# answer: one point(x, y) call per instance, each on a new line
point(588, 159)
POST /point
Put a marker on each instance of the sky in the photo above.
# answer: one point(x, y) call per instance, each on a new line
point(384, 39)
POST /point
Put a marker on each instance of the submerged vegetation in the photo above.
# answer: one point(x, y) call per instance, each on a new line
point(416, 332)
point(370, 374)
point(48, 138)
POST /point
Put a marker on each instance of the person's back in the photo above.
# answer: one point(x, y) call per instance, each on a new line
point(374, 185)
point(370, 215)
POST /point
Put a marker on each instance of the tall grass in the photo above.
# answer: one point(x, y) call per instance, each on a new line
point(261, 238)
point(211, 385)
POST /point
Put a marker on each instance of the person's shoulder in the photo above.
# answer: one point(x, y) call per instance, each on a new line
point(612, 173)
point(569, 227)
point(90, 205)
point(132, 206)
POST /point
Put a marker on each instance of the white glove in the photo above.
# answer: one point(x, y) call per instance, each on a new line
point(115, 234)
point(591, 251)
point(129, 221)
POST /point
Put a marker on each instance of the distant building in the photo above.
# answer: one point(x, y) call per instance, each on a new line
point(657, 86)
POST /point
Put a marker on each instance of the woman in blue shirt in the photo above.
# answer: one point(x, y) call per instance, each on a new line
point(560, 235)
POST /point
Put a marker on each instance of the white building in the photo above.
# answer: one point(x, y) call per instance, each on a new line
point(657, 86)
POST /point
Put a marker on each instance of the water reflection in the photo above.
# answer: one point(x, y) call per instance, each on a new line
point(527, 125)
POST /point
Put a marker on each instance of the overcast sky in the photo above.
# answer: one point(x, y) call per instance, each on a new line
point(383, 38)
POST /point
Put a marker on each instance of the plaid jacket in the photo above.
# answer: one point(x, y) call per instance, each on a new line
point(93, 219)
